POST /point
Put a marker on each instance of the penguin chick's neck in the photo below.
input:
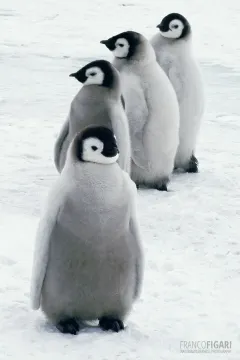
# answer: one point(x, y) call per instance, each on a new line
point(97, 91)
point(112, 90)
point(143, 56)
point(93, 174)
point(179, 49)
point(186, 41)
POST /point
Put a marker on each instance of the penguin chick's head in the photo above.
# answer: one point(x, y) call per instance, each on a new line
point(98, 72)
point(174, 26)
point(96, 144)
point(124, 45)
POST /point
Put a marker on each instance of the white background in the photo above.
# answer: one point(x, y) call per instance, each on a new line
point(190, 234)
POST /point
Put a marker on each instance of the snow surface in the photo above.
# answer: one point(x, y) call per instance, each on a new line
point(191, 234)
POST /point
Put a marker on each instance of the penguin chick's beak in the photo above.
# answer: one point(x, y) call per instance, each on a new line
point(79, 75)
point(162, 28)
point(108, 43)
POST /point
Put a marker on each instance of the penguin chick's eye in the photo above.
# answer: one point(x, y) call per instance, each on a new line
point(92, 74)
point(121, 45)
point(175, 26)
point(94, 148)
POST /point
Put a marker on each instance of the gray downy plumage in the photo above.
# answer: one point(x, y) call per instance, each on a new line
point(151, 107)
point(98, 102)
point(174, 52)
point(88, 260)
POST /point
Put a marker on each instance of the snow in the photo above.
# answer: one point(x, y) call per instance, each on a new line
point(191, 234)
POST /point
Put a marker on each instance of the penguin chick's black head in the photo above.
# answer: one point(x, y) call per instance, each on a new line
point(98, 72)
point(96, 144)
point(123, 45)
point(174, 26)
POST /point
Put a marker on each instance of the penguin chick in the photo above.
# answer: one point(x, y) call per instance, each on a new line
point(88, 261)
point(99, 102)
point(151, 107)
point(173, 47)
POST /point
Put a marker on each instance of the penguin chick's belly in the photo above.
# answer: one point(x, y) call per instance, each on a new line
point(86, 279)
point(190, 121)
point(161, 130)
point(160, 146)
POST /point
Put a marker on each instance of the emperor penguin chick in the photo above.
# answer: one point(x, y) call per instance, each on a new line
point(151, 107)
point(88, 261)
point(173, 47)
point(98, 102)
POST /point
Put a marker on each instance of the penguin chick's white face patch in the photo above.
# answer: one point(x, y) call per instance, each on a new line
point(92, 152)
point(122, 48)
point(94, 75)
point(175, 29)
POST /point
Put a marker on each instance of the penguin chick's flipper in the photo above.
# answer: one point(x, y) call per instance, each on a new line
point(193, 165)
point(137, 114)
point(68, 326)
point(123, 102)
point(60, 143)
point(107, 323)
point(136, 236)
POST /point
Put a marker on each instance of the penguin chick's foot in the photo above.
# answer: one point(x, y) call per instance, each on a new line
point(107, 323)
point(68, 326)
point(192, 165)
point(161, 184)
point(162, 187)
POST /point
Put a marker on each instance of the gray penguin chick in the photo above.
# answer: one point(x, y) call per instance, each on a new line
point(98, 102)
point(174, 51)
point(151, 106)
point(88, 260)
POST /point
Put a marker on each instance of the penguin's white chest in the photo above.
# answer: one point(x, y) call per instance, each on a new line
point(184, 74)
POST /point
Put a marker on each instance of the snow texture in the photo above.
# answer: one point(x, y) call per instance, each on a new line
point(191, 234)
